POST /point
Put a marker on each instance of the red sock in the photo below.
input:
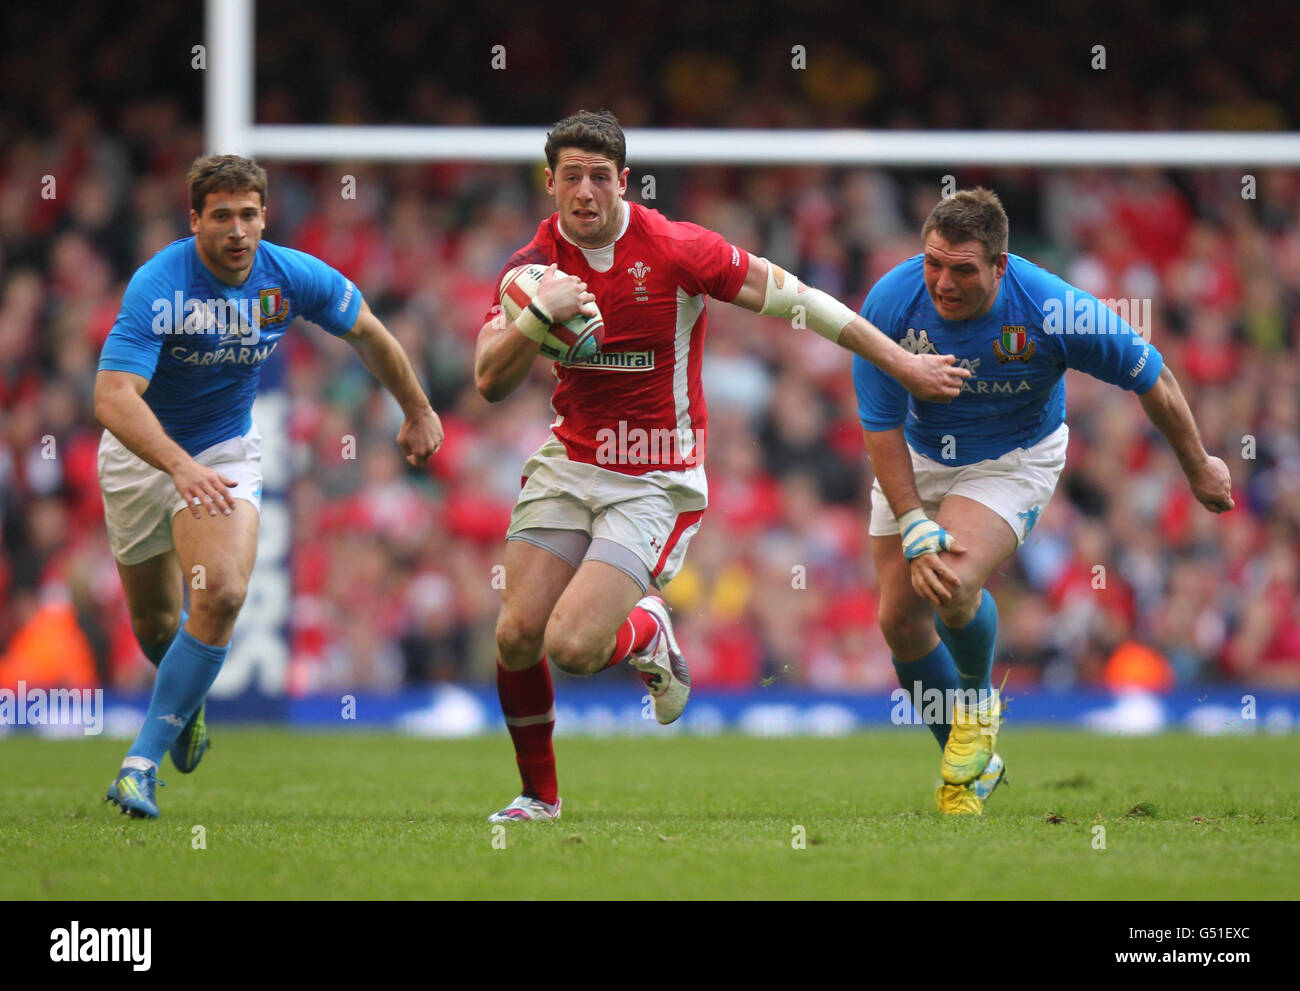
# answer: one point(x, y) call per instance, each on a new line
point(528, 701)
point(637, 633)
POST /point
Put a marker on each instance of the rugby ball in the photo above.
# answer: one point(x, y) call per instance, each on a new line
point(574, 340)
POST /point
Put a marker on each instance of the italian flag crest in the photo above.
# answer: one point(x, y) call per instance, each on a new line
point(1014, 345)
point(271, 304)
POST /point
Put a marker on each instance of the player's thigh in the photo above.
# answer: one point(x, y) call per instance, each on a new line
point(587, 617)
point(216, 555)
point(154, 595)
point(906, 619)
point(987, 537)
point(536, 577)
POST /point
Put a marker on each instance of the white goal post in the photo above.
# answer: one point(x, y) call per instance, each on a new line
point(230, 128)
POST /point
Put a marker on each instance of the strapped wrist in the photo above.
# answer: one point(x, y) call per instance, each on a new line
point(531, 325)
point(911, 518)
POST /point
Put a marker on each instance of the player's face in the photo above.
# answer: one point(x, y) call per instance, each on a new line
point(228, 232)
point(962, 282)
point(588, 191)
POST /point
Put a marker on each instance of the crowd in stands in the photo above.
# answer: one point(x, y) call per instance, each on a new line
point(1124, 580)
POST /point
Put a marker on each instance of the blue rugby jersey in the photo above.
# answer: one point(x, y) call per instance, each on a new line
point(1018, 352)
point(201, 343)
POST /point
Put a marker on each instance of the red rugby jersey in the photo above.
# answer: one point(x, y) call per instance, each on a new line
point(638, 406)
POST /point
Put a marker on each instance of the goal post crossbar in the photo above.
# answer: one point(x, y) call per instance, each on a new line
point(230, 128)
point(654, 146)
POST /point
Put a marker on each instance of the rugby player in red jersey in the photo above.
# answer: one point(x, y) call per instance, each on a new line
point(612, 499)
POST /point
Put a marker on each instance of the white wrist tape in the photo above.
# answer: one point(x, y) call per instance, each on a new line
point(530, 325)
point(921, 535)
point(824, 314)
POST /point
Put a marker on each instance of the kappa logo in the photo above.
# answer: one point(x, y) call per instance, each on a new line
point(229, 320)
point(918, 342)
point(639, 271)
point(171, 719)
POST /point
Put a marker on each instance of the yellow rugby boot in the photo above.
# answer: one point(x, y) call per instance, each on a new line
point(969, 799)
point(972, 739)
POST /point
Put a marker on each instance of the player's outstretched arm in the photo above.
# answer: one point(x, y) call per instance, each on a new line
point(770, 290)
point(421, 433)
point(922, 538)
point(1208, 476)
point(505, 349)
point(121, 409)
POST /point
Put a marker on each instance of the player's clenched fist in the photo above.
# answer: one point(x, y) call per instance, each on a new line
point(1212, 485)
point(936, 378)
point(420, 437)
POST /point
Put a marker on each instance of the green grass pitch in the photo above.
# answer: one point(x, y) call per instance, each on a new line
point(354, 816)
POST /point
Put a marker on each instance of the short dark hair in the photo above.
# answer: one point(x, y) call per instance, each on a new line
point(224, 174)
point(598, 132)
point(970, 215)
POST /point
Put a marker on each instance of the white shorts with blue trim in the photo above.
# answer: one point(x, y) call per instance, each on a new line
point(1016, 486)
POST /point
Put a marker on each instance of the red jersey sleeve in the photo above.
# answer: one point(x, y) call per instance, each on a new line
point(708, 263)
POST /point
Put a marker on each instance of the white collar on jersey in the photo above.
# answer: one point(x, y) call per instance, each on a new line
point(600, 259)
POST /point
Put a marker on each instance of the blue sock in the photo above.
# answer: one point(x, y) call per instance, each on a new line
point(934, 671)
point(972, 645)
point(156, 654)
point(184, 677)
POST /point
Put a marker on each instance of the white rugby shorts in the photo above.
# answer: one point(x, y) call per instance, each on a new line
point(1016, 486)
point(654, 515)
point(140, 500)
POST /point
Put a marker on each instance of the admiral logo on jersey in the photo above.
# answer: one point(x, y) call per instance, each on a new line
point(617, 361)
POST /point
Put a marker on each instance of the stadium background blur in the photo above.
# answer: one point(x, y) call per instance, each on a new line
point(392, 566)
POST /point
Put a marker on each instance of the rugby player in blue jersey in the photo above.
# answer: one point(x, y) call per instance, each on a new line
point(963, 483)
point(180, 459)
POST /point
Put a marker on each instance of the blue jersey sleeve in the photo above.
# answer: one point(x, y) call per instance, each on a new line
point(1094, 338)
point(146, 315)
point(326, 296)
point(882, 400)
